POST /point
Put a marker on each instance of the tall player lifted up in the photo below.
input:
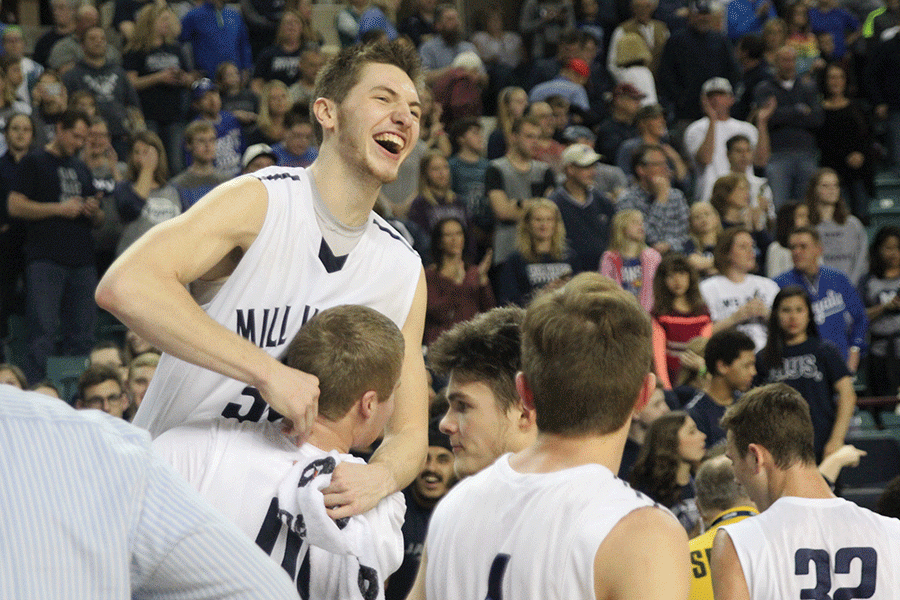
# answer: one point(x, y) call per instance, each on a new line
point(265, 252)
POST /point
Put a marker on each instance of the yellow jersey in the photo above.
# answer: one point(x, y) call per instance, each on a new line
point(701, 547)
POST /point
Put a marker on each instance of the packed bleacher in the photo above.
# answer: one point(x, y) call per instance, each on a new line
point(734, 165)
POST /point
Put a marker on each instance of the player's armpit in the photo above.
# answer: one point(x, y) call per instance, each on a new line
point(727, 573)
point(644, 557)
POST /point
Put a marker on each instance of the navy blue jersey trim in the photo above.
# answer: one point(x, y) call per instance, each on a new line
point(393, 233)
point(332, 263)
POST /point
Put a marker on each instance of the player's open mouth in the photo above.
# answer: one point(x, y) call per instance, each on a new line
point(391, 142)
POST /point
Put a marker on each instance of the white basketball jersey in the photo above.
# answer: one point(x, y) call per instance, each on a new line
point(286, 276)
point(817, 549)
point(257, 478)
point(504, 534)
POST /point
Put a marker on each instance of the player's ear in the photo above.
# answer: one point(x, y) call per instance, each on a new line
point(526, 396)
point(325, 112)
point(525, 403)
point(647, 389)
point(368, 403)
point(760, 456)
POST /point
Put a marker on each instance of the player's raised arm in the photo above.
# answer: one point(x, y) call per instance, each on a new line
point(146, 289)
point(355, 488)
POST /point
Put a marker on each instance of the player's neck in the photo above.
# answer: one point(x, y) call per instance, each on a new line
point(553, 452)
point(348, 195)
point(802, 481)
point(328, 435)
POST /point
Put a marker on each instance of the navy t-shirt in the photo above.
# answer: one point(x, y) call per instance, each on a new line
point(707, 413)
point(812, 368)
point(276, 63)
point(164, 103)
point(45, 177)
point(415, 526)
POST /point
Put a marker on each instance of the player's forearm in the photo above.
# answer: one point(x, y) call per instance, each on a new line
point(21, 207)
point(402, 454)
point(846, 404)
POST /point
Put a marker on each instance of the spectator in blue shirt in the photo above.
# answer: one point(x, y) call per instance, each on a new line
point(217, 34)
point(837, 306)
point(748, 16)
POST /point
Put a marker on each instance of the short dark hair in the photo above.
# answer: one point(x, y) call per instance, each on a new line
point(70, 118)
point(486, 348)
point(352, 350)
point(753, 45)
point(339, 75)
point(461, 127)
point(730, 142)
point(726, 346)
point(716, 487)
point(585, 355)
point(808, 230)
point(776, 417)
point(297, 115)
point(640, 155)
point(95, 375)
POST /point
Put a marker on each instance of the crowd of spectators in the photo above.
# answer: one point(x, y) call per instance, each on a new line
point(588, 137)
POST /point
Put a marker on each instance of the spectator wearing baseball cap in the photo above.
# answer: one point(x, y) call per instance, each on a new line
point(705, 139)
point(569, 84)
point(586, 212)
point(256, 157)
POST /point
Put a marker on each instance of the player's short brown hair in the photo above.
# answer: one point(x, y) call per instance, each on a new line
point(776, 417)
point(338, 76)
point(485, 349)
point(585, 353)
point(352, 350)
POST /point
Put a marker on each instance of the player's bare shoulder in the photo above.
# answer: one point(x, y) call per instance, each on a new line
point(646, 536)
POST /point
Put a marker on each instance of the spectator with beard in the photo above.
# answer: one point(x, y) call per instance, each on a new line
point(439, 51)
point(422, 495)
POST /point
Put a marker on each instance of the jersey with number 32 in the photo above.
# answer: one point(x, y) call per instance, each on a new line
point(818, 549)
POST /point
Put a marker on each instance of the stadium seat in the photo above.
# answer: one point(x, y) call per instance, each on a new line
point(880, 465)
point(885, 210)
point(865, 497)
point(64, 371)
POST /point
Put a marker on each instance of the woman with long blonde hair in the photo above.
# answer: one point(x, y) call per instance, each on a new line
point(273, 107)
point(629, 261)
point(511, 104)
point(541, 260)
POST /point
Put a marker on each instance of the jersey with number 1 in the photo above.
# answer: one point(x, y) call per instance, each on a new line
point(287, 275)
point(501, 534)
point(818, 549)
